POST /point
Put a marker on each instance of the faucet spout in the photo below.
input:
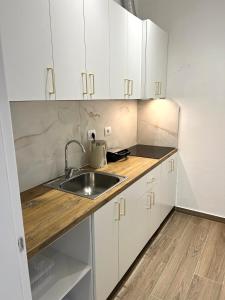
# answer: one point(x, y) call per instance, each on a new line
point(67, 169)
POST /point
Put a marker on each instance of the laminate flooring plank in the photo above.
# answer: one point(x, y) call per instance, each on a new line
point(204, 289)
point(177, 276)
point(212, 263)
point(152, 298)
point(186, 261)
point(176, 225)
point(201, 221)
point(222, 293)
point(143, 279)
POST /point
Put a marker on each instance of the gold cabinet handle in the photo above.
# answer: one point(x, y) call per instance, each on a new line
point(173, 165)
point(92, 83)
point(126, 86)
point(149, 202)
point(52, 90)
point(152, 180)
point(130, 87)
point(84, 83)
point(160, 88)
point(153, 198)
point(122, 206)
point(117, 211)
point(156, 86)
point(170, 166)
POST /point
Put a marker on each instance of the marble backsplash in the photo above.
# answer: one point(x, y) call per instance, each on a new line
point(41, 130)
point(158, 123)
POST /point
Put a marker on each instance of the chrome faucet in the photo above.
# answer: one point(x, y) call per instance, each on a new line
point(69, 171)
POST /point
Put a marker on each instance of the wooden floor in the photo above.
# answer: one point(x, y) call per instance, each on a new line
point(185, 261)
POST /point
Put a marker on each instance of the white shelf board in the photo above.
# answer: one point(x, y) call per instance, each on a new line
point(66, 273)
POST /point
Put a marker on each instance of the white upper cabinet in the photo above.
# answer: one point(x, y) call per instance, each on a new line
point(96, 15)
point(125, 53)
point(27, 49)
point(155, 60)
point(83, 49)
point(134, 56)
point(80, 37)
point(67, 24)
point(118, 50)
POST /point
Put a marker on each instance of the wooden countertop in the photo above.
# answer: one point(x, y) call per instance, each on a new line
point(48, 213)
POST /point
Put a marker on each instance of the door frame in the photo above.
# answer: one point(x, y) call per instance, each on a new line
point(15, 260)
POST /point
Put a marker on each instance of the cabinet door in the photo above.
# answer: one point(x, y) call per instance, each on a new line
point(105, 226)
point(165, 170)
point(173, 180)
point(157, 207)
point(155, 61)
point(168, 185)
point(134, 56)
point(67, 24)
point(27, 49)
point(149, 211)
point(15, 283)
point(128, 228)
point(96, 13)
point(162, 55)
point(118, 50)
point(143, 221)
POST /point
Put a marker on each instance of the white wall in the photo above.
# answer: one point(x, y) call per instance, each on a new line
point(158, 123)
point(196, 79)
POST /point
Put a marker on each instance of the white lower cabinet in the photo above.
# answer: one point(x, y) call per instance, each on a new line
point(128, 249)
point(143, 228)
point(124, 225)
point(64, 269)
point(149, 209)
point(172, 180)
point(105, 250)
point(168, 184)
point(82, 291)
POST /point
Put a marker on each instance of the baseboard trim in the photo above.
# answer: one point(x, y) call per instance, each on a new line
point(200, 214)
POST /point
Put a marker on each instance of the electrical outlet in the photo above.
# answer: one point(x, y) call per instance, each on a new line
point(89, 134)
point(108, 130)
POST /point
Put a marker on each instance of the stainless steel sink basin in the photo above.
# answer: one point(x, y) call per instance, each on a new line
point(87, 183)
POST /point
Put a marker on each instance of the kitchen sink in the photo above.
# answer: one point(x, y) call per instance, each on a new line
point(87, 183)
